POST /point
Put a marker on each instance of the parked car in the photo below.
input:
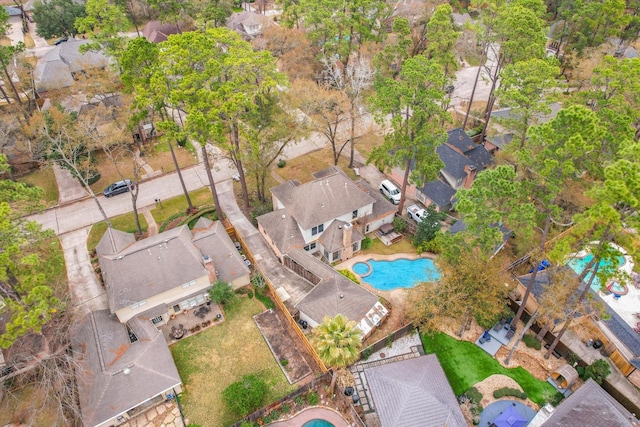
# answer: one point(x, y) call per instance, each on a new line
point(390, 191)
point(118, 188)
point(416, 213)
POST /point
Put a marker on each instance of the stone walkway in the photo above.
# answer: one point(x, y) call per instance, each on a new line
point(407, 347)
point(166, 414)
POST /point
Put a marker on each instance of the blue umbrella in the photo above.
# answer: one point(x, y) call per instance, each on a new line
point(510, 418)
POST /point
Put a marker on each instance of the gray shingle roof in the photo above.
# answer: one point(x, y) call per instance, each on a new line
point(414, 393)
point(282, 229)
point(459, 139)
point(439, 193)
point(150, 266)
point(332, 238)
point(454, 162)
point(212, 240)
point(321, 200)
point(325, 298)
point(103, 350)
point(156, 31)
point(590, 405)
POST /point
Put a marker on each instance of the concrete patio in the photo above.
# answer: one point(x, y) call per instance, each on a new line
point(191, 323)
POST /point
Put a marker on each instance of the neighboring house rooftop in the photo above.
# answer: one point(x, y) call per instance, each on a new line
point(149, 267)
point(213, 241)
point(413, 393)
point(115, 375)
point(334, 294)
point(590, 405)
point(282, 228)
point(247, 24)
point(157, 32)
point(439, 192)
point(321, 200)
point(454, 162)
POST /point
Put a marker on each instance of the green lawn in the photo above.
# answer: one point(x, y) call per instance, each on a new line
point(465, 364)
point(178, 204)
point(125, 222)
point(210, 361)
point(45, 179)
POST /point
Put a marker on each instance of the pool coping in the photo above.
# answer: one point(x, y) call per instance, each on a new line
point(313, 413)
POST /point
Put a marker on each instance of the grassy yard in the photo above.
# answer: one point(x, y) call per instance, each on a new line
point(125, 222)
point(178, 204)
point(403, 246)
point(28, 406)
point(302, 167)
point(45, 179)
point(367, 142)
point(465, 364)
point(219, 356)
point(159, 157)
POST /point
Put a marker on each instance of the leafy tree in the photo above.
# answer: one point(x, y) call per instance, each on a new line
point(524, 87)
point(220, 83)
point(30, 264)
point(213, 13)
point(337, 340)
point(173, 10)
point(56, 18)
point(139, 62)
point(105, 22)
point(352, 80)
point(441, 35)
point(599, 370)
point(471, 286)
point(246, 395)
point(341, 28)
point(296, 56)
point(429, 226)
point(221, 292)
point(495, 198)
point(415, 101)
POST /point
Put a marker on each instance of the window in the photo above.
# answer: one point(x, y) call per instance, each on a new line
point(317, 230)
point(191, 283)
point(157, 320)
point(310, 247)
point(356, 246)
point(132, 336)
point(354, 214)
point(335, 256)
point(366, 230)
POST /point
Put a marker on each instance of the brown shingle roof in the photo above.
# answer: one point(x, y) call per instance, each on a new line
point(590, 405)
point(282, 229)
point(103, 351)
point(322, 200)
point(414, 393)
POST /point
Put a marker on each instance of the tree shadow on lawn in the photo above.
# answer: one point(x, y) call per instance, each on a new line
point(465, 365)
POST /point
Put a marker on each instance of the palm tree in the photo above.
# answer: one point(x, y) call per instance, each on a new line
point(337, 341)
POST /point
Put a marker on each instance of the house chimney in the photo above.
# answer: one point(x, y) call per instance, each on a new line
point(470, 172)
point(208, 264)
point(347, 241)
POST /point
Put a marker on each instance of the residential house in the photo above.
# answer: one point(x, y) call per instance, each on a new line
point(122, 369)
point(328, 215)
point(413, 393)
point(124, 363)
point(165, 274)
point(462, 159)
point(64, 63)
point(333, 294)
point(157, 32)
point(248, 24)
point(590, 405)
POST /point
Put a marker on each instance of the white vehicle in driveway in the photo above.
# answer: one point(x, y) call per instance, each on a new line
point(390, 191)
point(416, 213)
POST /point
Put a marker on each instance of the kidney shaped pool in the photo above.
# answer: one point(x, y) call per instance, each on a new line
point(401, 273)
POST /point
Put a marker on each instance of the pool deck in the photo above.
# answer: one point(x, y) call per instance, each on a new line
point(314, 413)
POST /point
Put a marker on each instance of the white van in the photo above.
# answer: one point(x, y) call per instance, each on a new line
point(390, 191)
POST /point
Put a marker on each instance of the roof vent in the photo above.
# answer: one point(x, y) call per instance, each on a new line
point(341, 296)
point(206, 259)
point(126, 371)
point(283, 216)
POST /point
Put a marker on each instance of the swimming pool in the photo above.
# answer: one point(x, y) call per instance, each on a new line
point(401, 273)
point(317, 423)
point(579, 264)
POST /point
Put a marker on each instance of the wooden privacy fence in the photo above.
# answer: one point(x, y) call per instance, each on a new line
point(385, 342)
point(303, 338)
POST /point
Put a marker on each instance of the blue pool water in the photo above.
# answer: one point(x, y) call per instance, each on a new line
point(317, 423)
point(579, 264)
point(401, 273)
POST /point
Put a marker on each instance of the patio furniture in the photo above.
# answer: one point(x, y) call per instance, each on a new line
point(510, 333)
point(500, 324)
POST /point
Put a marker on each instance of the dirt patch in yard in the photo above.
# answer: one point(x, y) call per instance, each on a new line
point(284, 344)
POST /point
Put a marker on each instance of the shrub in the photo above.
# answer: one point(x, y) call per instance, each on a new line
point(221, 293)
point(366, 353)
point(399, 224)
point(284, 362)
point(299, 401)
point(250, 294)
point(428, 227)
point(598, 370)
point(264, 299)
point(286, 408)
point(246, 395)
point(532, 342)
point(182, 142)
point(367, 243)
point(281, 163)
point(434, 246)
point(572, 358)
point(474, 395)
point(349, 275)
point(312, 398)
point(507, 391)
